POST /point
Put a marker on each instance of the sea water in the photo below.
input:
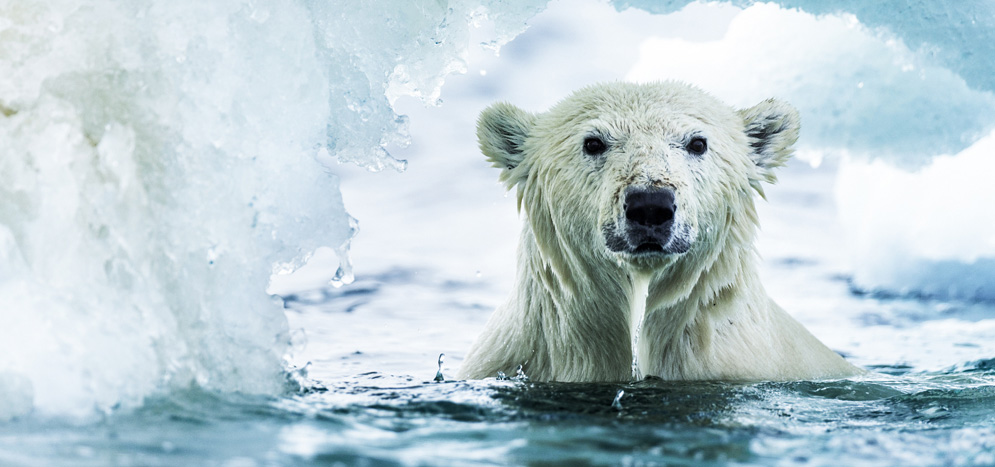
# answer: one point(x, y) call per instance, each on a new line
point(154, 179)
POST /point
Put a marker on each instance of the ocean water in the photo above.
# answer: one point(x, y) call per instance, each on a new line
point(154, 178)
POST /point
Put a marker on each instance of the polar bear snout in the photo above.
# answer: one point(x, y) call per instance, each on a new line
point(649, 218)
point(650, 208)
point(647, 224)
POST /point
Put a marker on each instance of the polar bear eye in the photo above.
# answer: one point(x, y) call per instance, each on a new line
point(594, 146)
point(697, 146)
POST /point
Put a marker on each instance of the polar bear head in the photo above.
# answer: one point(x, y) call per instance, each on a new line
point(640, 174)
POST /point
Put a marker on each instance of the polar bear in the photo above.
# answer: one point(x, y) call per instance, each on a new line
point(636, 256)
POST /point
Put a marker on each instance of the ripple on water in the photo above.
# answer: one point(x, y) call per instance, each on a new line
point(382, 419)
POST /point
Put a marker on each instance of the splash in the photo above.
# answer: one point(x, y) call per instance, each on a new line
point(520, 374)
point(617, 402)
point(438, 374)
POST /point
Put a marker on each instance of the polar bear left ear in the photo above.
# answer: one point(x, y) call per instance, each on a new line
point(772, 129)
point(501, 131)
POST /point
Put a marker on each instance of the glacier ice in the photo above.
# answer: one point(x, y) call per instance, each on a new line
point(959, 36)
point(859, 91)
point(159, 162)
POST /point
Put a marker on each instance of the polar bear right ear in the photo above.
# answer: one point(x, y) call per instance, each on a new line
point(501, 131)
point(772, 128)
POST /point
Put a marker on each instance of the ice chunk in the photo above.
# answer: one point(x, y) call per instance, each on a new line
point(954, 35)
point(926, 232)
point(860, 91)
point(159, 161)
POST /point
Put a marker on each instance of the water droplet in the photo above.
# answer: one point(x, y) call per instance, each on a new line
point(520, 374)
point(438, 374)
point(617, 403)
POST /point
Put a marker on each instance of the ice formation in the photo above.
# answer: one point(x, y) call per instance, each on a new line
point(959, 36)
point(928, 233)
point(159, 160)
point(859, 91)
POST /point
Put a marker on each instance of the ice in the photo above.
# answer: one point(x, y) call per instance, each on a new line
point(159, 160)
point(928, 232)
point(955, 35)
point(859, 91)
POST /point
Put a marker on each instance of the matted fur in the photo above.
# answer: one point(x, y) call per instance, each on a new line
point(576, 303)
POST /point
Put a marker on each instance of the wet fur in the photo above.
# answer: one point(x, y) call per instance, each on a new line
point(707, 317)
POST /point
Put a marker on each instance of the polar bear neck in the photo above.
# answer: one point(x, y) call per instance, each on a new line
point(658, 321)
point(572, 318)
point(686, 301)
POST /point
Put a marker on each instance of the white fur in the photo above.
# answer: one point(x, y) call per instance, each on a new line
point(576, 306)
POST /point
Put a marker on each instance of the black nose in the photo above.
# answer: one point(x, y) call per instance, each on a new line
point(649, 207)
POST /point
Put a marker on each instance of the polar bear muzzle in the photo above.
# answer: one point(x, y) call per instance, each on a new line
point(647, 224)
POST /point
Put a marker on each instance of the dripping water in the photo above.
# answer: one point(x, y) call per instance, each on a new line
point(520, 374)
point(637, 313)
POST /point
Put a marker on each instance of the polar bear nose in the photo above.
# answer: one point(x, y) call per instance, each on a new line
point(650, 207)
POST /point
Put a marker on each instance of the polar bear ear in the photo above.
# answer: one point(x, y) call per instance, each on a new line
point(501, 132)
point(772, 129)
